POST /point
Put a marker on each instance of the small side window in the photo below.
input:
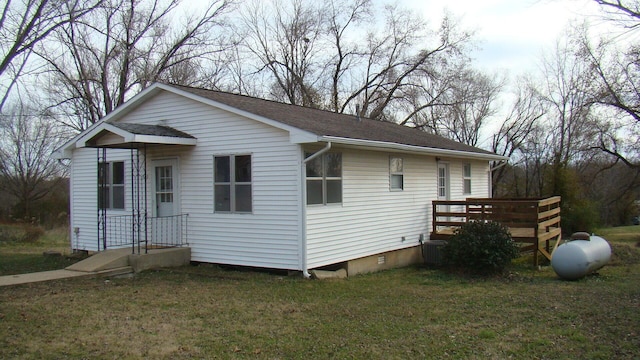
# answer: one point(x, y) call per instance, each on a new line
point(466, 178)
point(396, 173)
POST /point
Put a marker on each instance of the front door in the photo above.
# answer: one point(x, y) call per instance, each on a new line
point(165, 186)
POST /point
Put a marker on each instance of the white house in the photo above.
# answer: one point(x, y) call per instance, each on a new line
point(257, 183)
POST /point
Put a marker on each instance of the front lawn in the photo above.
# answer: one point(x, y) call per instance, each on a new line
point(22, 248)
point(209, 312)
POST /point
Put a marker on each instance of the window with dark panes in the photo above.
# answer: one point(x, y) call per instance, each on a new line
point(232, 183)
point(111, 185)
point(324, 179)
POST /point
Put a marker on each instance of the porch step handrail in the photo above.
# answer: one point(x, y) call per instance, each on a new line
point(158, 231)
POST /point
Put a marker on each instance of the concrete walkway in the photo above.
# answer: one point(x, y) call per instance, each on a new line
point(107, 263)
point(40, 276)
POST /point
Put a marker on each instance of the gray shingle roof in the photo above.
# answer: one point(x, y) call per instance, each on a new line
point(326, 123)
point(155, 130)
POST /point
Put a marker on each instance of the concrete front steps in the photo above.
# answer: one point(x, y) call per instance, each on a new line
point(121, 261)
point(107, 263)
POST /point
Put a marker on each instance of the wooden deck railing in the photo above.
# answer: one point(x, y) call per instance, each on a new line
point(532, 222)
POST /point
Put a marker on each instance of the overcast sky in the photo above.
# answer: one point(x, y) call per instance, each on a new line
point(512, 33)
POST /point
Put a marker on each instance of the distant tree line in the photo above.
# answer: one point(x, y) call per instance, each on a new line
point(571, 129)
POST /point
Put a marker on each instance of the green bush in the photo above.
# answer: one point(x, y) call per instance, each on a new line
point(480, 247)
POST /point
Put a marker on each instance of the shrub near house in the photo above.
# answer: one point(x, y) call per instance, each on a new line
point(480, 247)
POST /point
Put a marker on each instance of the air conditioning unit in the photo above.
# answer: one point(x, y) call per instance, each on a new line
point(431, 251)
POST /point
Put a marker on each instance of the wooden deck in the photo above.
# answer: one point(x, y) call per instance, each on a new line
point(533, 223)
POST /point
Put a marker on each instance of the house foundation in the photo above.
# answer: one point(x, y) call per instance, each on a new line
point(384, 261)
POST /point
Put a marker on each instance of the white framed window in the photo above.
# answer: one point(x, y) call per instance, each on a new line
point(111, 185)
point(396, 173)
point(232, 184)
point(324, 179)
point(466, 178)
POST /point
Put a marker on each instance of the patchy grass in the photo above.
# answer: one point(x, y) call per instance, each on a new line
point(622, 234)
point(21, 252)
point(625, 244)
point(209, 312)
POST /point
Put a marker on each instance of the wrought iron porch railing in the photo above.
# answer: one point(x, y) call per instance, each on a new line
point(134, 231)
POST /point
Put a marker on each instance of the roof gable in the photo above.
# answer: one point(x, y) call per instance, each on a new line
point(303, 124)
point(331, 125)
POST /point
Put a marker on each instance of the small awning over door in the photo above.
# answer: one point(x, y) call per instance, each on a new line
point(125, 136)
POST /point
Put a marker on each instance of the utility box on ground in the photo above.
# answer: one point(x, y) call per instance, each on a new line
point(432, 251)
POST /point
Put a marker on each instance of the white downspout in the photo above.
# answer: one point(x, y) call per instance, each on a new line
point(501, 164)
point(305, 270)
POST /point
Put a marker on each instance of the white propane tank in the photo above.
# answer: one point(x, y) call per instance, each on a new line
point(580, 256)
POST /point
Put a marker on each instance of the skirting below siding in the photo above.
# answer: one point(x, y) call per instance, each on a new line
point(384, 261)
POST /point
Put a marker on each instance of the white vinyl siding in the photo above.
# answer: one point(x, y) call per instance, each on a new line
point(373, 219)
point(369, 220)
point(479, 171)
point(84, 195)
point(268, 236)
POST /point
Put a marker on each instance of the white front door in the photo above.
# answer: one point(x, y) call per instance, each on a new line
point(165, 187)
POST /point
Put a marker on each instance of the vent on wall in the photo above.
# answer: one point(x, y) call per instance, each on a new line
point(381, 260)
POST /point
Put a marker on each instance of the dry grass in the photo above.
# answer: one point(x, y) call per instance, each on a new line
point(208, 312)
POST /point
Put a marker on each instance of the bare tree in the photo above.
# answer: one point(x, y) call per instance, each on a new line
point(616, 89)
point(26, 23)
point(336, 56)
point(286, 40)
point(104, 58)
point(470, 102)
point(623, 12)
point(566, 92)
point(515, 132)
point(26, 164)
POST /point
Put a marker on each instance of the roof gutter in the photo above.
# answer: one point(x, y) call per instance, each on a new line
point(303, 211)
point(501, 164)
point(414, 148)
